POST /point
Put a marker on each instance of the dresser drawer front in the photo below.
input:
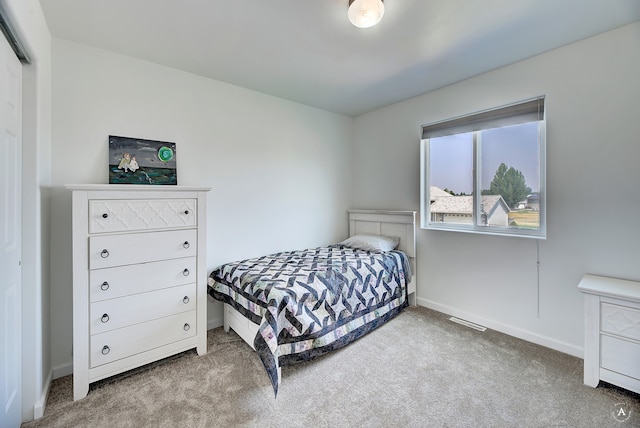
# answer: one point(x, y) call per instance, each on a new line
point(131, 215)
point(621, 320)
point(116, 344)
point(112, 314)
point(620, 356)
point(118, 250)
point(110, 283)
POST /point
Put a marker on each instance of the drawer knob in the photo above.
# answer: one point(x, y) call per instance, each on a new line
point(185, 272)
point(105, 215)
point(105, 350)
point(186, 212)
point(185, 300)
point(186, 327)
point(105, 318)
point(185, 245)
point(104, 254)
point(104, 286)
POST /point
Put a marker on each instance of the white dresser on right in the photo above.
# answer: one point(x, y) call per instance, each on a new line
point(612, 331)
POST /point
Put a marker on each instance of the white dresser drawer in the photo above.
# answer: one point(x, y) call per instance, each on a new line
point(118, 250)
point(116, 344)
point(621, 320)
point(620, 356)
point(131, 215)
point(112, 314)
point(119, 281)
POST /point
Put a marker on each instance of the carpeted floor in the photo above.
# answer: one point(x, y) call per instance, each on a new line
point(419, 370)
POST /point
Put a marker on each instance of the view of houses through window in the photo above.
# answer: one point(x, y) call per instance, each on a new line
point(488, 179)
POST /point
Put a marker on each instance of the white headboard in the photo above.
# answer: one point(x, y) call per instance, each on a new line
point(391, 223)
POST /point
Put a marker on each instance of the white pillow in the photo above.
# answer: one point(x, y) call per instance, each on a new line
point(373, 243)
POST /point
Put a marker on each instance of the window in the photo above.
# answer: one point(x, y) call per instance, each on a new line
point(485, 172)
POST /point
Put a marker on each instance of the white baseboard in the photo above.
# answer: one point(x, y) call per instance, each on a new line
point(40, 405)
point(63, 370)
point(506, 329)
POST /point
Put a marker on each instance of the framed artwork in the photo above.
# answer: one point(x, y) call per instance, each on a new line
point(138, 161)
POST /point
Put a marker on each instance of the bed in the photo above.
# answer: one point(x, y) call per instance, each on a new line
point(296, 305)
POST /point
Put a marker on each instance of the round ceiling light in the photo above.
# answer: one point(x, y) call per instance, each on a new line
point(365, 13)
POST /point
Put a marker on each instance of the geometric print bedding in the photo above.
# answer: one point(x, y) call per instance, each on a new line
point(310, 302)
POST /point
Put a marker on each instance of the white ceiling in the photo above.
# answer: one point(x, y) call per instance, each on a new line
point(307, 51)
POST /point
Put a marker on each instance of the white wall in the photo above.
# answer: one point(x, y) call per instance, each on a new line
point(279, 171)
point(593, 175)
point(27, 18)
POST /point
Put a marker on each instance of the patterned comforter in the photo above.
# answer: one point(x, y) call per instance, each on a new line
point(312, 301)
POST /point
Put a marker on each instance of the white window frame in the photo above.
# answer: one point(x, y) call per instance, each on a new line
point(512, 114)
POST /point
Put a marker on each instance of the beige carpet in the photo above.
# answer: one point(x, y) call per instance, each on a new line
point(419, 370)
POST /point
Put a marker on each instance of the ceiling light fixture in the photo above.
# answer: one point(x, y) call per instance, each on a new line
point(365, 13)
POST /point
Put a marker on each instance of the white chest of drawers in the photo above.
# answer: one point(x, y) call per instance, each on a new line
point(612, 331)
point(139, 277)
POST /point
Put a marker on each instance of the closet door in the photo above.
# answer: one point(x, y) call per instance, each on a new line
point(10, 235)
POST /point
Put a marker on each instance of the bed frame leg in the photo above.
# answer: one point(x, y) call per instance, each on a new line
point(412, 299)
point(225, 319)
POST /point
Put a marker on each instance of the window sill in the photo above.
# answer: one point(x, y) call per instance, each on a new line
point(495, 231)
